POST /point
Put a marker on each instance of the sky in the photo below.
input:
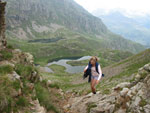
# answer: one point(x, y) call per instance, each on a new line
point(132, 7)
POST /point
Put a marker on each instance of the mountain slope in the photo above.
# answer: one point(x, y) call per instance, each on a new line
point(125, 97)
point(128, 66)
point(119, 72)
point(48, 12)
point(134, 28)
point(63, 29)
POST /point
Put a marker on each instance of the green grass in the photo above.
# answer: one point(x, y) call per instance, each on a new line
point(115, 55)
point(22, 101)
point(16, 85)
point(5, 95)
point(44, 98)
point(57, 68)
point(6, 55)
point(76, 46)
point(63, 80)
point(140, 56)
point(78, 63)
point(24, 70)
point(131, 69)
point(54, 85)
point(8, 102)
point(6, 69)
point(107, 57)
point(44, 52)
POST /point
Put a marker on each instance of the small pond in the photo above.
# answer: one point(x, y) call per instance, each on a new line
point(46, 40)
point(69, 68)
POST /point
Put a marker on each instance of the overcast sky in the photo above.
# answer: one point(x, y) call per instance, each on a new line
point(131, 6)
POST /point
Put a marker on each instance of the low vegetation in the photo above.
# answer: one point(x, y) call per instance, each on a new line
point(24, 70)
point(133, 64)
point(76, 46)
point(6, 55)
point(45, 98)
point(7, 99)
point(5, 69)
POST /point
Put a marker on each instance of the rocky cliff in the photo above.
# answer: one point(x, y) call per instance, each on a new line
point(126, 97)
point(2, 24)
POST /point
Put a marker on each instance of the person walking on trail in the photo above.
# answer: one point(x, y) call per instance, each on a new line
point(94, 71)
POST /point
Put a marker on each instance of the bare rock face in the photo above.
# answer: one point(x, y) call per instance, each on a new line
point(2, 25)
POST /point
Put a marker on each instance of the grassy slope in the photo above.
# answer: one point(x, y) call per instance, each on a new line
point(107, 57)
point(64, 80)
point(73, 44)
point(74, 82)
point(76, 46)
point(126, 69)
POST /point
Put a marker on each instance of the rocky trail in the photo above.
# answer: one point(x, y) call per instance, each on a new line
point(126, 97)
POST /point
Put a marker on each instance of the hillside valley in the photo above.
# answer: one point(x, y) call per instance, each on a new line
point(55, 29)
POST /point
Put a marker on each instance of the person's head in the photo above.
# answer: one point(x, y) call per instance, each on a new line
point(93, 60)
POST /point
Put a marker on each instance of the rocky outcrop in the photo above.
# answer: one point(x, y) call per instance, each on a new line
point(2, 25)
point(18, 76)
point(19, 68)
point(127, 97)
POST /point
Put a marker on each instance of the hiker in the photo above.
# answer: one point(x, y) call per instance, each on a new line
point(93, 70)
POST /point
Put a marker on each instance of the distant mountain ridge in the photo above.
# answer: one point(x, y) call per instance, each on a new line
point(65, 12)
point(134, 28)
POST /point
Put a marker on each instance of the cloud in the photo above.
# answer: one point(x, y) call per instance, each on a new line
point(131, 6)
